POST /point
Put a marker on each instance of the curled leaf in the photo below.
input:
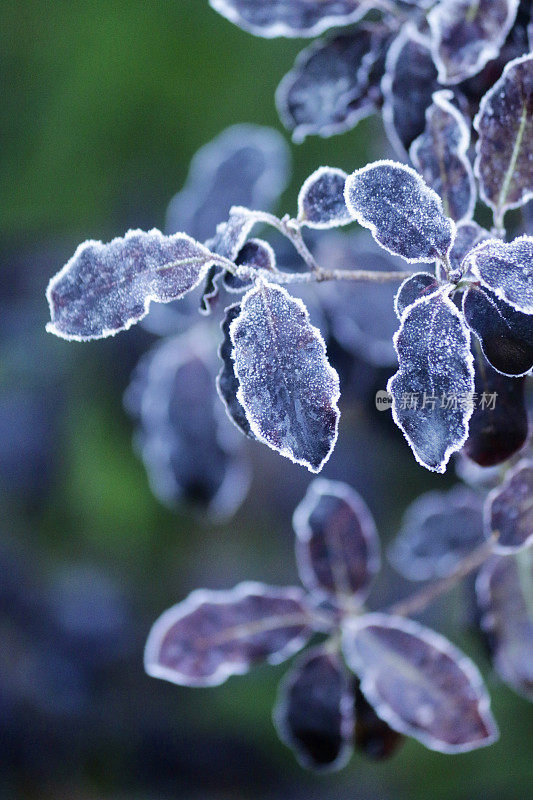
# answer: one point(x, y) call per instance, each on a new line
point(255, 254)
point(337, 545)
point(421, 284)
point(440, 155)
point(314, 711)
point(504, 587)
point(106, 288)
point(503, 165)
point(432, 391)
point(404, 215)
point(438, 530)
point(321, 199)
point(507, 269)
point(419, 683)
point(509, 510)
point(334, 83)
point(466, 35)
point(290, 17)
point(214, 634)
point(287, 387)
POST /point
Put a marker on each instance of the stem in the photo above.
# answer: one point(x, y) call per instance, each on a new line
point(418, 601)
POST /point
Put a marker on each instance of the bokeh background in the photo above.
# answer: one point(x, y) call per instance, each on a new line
point(104, 106)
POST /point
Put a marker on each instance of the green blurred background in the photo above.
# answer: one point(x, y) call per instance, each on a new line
point(105, 104)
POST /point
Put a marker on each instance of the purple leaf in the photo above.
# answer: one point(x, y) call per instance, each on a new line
point(469, 234)
point(504, 122)
point(433, 389)
point(507, 269)
point(337, 546)
point(214, 634)
point(505, 335)
point(419, 683)
point(291, 18)
point(440, 155)
point(504, 587)
point(421, 284)
point(333, 84)
point(466, 35)
point(106, 288)
point(227, 383)
point(408, 84)
point(287, 387)
point(321, 199)
point(255, 254)
point(438, 530)
point(509, 510)
point(314, 711)
point(404, 215)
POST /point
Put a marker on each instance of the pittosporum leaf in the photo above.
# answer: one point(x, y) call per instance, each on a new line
point(334, 83)
point(419, 683)
point(440, 155)
point(504, 122)
point(433, 390)
point(287, 387)
point(469, 235)
point(466, 35)
point(438, 530)
point(106, 288)
point(226, 382)
point(505, 335)
point(214, 634)
point(408, 84)
point(373, 737)
point(507, 269)
point(190, 451)
point(256, 254)
point(421, 284)
point(404, 215)
point(321, 201)
point(337, 545)
point(504, 587)
point(291, 18)
point(314, 711)
point(498, 427)
point(246, 165)
point(509, 510)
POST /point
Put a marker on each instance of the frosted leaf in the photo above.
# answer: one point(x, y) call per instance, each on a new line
point(438, 530)
point(404, 215)
point(291, 18)
point(227, 383)
point(509, 510)
point(287, 387)
point(210, 290)
point(432, 391)
point(256, 254)
point(314, 711)
point(498, 427)
point(321, 199)
point(408, 84)
point(373, 737)
point(505, 335)
point(190, 450)
point(106, 288)
point(507, 269)
point(337, 545)
point(421, 284)
point(419, 683)
point(214, 634)
point(469, 235)
point(504, 586)
point(246, 165)
point(466, 35)
point(334, 83)
point(440, 155)
point(504, 166)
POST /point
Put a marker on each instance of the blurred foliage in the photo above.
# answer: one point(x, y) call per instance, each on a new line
point(105, 105)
